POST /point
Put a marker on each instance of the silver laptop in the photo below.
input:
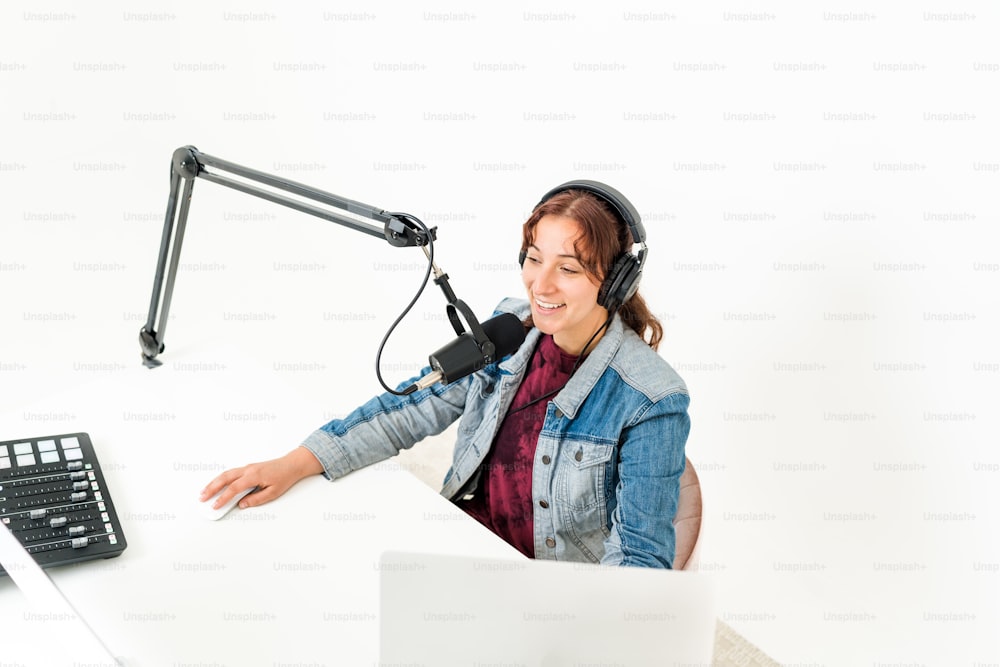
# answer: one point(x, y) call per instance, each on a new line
point(444, 610)
point(64, 634)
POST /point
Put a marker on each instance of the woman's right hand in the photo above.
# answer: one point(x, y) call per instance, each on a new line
point(272, 478)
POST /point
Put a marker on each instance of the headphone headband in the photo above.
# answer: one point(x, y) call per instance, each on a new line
point(621, 206)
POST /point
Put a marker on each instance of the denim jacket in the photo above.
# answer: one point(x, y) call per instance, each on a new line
point(609, 458)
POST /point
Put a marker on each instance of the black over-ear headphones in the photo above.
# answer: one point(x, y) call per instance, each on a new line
point(623, 279)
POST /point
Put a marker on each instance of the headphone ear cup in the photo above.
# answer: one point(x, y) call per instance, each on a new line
point(621, 283)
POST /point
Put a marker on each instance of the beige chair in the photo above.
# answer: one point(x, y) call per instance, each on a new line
point(687, 523)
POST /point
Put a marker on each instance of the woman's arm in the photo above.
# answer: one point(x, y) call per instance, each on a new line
point(371, 433)
point(650, 466)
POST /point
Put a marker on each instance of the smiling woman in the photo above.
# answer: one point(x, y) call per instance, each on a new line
point(570, 448)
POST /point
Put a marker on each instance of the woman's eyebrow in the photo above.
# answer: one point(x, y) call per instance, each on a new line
point(576, 257)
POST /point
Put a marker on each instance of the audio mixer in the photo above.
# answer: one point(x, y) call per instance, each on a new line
point(54, 499)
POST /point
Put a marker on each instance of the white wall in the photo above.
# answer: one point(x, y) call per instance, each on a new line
point(818, 183)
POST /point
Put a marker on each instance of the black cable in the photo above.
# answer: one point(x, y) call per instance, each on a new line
point(572, 371)
point(413, 301)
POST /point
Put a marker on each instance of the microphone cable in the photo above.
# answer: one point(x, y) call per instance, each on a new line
point(409, 306)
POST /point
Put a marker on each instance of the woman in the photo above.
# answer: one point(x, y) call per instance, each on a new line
point(585, 463)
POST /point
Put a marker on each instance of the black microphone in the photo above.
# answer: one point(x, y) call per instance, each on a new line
point(463, 355)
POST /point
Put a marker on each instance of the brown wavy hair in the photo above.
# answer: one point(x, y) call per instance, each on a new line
point(603, 239)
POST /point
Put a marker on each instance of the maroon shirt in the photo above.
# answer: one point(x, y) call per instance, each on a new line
point(502, 502)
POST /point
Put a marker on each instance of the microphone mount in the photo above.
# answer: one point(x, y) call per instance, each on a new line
point(188, 163)
point(456, 306)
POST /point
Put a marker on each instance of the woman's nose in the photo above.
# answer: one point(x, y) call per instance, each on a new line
point(543, 282)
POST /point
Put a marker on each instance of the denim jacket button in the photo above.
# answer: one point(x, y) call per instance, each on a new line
point(544, 504)
point(549, 542)
point(546, 459)
point(558, 413)
point(579, 455)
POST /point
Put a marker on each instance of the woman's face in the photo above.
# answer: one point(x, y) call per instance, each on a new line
point(563, 296)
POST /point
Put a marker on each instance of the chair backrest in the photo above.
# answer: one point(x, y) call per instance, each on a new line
point(687, 523)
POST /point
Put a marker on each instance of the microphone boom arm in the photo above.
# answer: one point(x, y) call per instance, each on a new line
point(188, 163)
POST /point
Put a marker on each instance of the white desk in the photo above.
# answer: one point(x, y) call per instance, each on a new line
point(295, 581)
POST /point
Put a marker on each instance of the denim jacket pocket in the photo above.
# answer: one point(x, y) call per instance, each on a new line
point(581, 477)
point(581, 490)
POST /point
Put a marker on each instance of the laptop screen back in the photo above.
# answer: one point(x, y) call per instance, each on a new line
point(453, 610)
